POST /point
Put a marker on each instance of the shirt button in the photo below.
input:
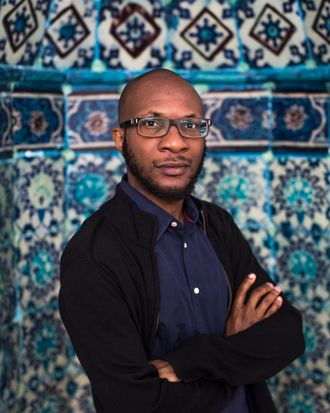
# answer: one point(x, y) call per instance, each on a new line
point(196, 290)
point(185, 245)
point(174, 224)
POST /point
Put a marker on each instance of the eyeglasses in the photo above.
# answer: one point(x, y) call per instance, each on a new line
point(154, 127)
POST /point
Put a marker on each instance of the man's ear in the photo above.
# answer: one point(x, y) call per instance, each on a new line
point(118, 138)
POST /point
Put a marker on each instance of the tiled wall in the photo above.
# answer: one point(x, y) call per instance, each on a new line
point(263, 70)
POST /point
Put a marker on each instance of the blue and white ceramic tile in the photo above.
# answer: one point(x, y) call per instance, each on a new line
point(311, 363)
point(272, 33)
point(44, 344)
point(70, 36)
point(132, 35)
point(37, 271)
point(300, 207)
point(83, 401)
point(300, 194)
point(294, 395)
point(239, 119)
point(203, 35)
point(303, 385)
point(7, 286)
point(317, 17)
point(5, 119)
point(9, 366)
point(39, 197)
point(44, 397)
point(7, 171)
point(91, 119)
point(92, 179)
point(300, 120)
point(22, 29)
point(260, 241)
point(7, 282)
point(37, 120)
point(233, 182)
point(301, 263)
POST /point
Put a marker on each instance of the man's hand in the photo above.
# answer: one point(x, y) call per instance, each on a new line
point(165, 370)
point(262, 303)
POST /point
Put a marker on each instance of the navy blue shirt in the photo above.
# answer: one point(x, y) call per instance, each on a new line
point(193, 285)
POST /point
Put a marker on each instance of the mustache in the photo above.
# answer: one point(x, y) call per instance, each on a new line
point(176, 159)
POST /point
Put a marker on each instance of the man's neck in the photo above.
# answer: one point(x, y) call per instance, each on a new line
point(174, 208)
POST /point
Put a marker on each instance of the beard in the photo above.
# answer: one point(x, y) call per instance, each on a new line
point(168, 193)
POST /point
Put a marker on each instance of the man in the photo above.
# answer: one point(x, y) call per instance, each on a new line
point(166, 306)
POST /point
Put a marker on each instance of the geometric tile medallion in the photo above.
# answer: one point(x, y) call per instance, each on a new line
point(20, 23)
point(135, 29)
point(90, 119)
point(322, 21)
point(272, 29)
point(67, 30)
point(206, 34)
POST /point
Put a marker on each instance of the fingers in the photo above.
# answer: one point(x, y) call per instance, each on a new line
point(168, 374)
point(258, 293)
point(159, 363)
point(242, 290)
point(165, 370)
point(277, 303)
point(268, 300)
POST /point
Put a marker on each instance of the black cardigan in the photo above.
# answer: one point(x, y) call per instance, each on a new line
point(109, 304)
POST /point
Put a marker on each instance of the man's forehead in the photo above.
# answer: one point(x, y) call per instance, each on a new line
point(167, 82)
point(156, 89)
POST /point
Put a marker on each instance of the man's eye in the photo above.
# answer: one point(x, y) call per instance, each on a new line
point(151, 123)
point(189, 124)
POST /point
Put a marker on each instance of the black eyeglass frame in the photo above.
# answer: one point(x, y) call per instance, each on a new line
point(175, 122)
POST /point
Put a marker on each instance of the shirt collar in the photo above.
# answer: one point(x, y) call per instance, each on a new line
point(191, 212)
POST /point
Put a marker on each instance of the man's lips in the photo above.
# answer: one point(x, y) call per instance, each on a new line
point(173, 168)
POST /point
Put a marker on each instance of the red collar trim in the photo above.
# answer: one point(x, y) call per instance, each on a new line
point(187, 218)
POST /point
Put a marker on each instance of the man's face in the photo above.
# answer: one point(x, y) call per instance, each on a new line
point(164, 168)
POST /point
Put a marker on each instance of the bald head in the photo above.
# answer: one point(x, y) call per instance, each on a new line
point(162, 82)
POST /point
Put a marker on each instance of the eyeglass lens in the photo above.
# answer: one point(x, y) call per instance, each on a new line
point(157, 127)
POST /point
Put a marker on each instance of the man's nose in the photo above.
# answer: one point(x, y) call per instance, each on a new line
point(173, 141)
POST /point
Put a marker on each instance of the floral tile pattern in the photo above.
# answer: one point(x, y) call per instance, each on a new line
point(37, 120)
point(317, 17)
point(23, 23)
point(45, 342)
point(267, 162)
point(132, 34)
point(260, 241)
point(300, 120)
point(91, 119)
point(238, 119)
point(37, 271)
point(7, 284)
point(70, 37)
point(5, 119)
point(203, 37)
point(7, 172)
point(300, 195)
point(272, 33)
point(258, 119)
point(92, 179)
point(39, 196)
point(232, 183)
point(9, 365)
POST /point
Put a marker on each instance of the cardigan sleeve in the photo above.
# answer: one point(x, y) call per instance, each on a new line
point(252, 355)
point(109, 347)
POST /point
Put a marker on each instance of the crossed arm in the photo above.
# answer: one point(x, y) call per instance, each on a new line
point(263, 334)
point(263, 302)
